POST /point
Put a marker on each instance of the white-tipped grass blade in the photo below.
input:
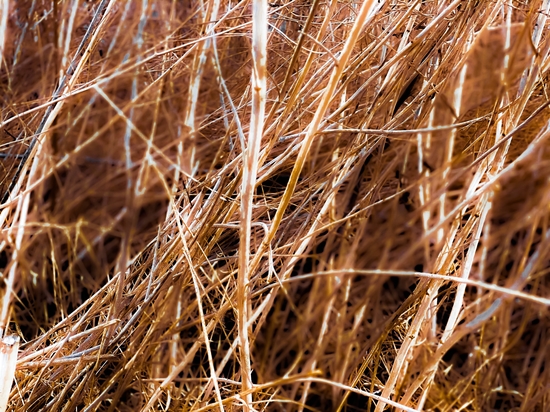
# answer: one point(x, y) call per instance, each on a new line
point(8, 359)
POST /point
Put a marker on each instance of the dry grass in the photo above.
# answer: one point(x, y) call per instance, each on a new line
point(297, 205)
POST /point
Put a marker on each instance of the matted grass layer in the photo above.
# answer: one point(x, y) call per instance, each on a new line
point(298, 205)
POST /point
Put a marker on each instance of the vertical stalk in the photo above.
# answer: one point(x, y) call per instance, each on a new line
point(250, 170)
point(8, 360)
point(4, 10)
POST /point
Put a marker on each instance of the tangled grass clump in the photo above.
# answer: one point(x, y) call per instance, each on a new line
point(301, 205)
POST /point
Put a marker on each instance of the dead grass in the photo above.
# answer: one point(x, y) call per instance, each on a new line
point(298, 205)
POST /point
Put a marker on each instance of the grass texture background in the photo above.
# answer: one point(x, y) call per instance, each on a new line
point(301, 205)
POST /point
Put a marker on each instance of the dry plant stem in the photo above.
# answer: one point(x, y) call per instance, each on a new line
point(38, 143)
point(22, 208)
point(539, 300)
point(132, 189)
point(210, 18)
point(223, 86)
point(4, 12)
point(66, 84)
point(457, 109)
point(466, 271)
point(179, 368)
point(418, 39)
point(250, 170)
point(285, 278)
point(363, 17)
point(402, 360)
point(399, 367)
point(451, 324)
point(319, 345)
point(485, 206)
point(296, 51)
point(294, 93)
point(455, 311)
point(207, 340)
point(489, 185)
point(485, 316)
point(8, 360)
point(403, 43)
point(70, 26)
point(314, 379)
point(198, 294)
point(106, 78)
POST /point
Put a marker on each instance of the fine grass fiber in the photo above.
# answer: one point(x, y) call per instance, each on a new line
point(297, 205)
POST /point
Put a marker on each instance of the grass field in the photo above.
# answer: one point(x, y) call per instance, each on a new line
point(297, 205)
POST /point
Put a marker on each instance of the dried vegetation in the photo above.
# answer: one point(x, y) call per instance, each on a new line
point(301, 205)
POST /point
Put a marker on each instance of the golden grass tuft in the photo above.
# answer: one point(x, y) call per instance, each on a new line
point(301, 205)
